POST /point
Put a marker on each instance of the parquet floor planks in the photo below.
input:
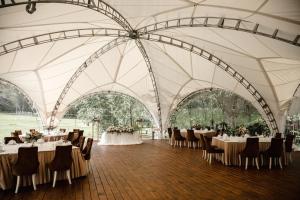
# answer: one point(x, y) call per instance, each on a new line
point(155, 170)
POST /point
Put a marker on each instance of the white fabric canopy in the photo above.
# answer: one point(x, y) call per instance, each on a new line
point(43, 69)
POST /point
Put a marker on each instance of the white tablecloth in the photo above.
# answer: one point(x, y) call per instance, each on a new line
point(120, 138)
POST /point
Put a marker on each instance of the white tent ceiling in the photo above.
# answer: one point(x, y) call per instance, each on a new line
point(51, 73)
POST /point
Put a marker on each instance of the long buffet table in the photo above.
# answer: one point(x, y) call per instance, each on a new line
point(46, 152)
point(120, 138)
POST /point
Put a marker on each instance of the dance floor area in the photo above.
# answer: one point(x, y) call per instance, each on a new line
point(155, 170)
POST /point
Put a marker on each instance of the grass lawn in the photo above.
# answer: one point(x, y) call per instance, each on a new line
point(11, 122)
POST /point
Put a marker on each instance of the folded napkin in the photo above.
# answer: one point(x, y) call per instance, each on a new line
point(40, 140)
point(225, 136)
point(11, 142)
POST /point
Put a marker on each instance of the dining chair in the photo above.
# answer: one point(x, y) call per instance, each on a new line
point(203, 146)
point(70, 136)
point(191, 138)
point(81, 143)
point(76, 137)
point(178, 138)
point(62, 162)
point(250, 151)
point(27, 164)
point(170, 135)
point(86, 152)
point(62, 130)
point(274, 151)
point(289, 139)
point(76, 130)
point(17, 139)
point(31, 130)
point(212, 150)
point(278, 135)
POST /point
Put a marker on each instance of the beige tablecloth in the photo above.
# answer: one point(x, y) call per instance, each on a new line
point(7, 180)
point(235, 146)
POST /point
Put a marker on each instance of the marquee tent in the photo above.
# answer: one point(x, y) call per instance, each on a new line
point(57, 51)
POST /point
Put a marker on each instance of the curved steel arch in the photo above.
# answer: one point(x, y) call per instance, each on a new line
point(77, 33)
point(26, 96)
point(96, 5)
point(90, 60)
point(216, 22)
point(148, 63)
point(222, 65)
point(59, 35)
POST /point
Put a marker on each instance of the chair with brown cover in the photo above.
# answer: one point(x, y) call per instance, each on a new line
point(81, 143)
point(76, 130)
point(203, 146)
point(62, 162)
point(62, 130)
point(17, 139)
point(27, 164)
point(251, 151)
point(70, 136)
point(278, 135)
point(289, 139)
point(191, 138)
point(86, 152)
point(17, 133)
point(170, 135)
point(274, 151)
point(76, 137)
point(178, 138)
point(212, 149)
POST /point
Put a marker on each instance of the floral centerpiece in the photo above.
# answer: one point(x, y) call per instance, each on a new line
point(32, 136)
point(119, 129)
point(242, 130)
point(196, 126)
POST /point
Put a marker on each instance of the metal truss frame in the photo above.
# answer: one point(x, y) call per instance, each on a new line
point(60, 35)
point(96, 5)
point(112, 44)
point(218, 22)
point(148, 63)
point(222, 65)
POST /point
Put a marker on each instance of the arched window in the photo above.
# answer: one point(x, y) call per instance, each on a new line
point(95, 113)
point(17, 112)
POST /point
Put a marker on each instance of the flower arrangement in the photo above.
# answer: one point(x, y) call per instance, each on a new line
point(120, 129)
point(196, 126)
point(32, 136)
point(242, 130)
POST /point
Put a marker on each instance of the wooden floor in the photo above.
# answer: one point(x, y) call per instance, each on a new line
point(154, 170)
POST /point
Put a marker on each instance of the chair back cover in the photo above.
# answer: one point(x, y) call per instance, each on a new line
point(87, 149)
point(276, 147)
point(170, 132)
point(252, 147)
point(70, 136)
point(27, 162)
point(177, 135)
point(62, 159)
point(289, 143)
point(81, 143)
point(7, 139)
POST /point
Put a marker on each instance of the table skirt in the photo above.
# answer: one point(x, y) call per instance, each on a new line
point(7, 180)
